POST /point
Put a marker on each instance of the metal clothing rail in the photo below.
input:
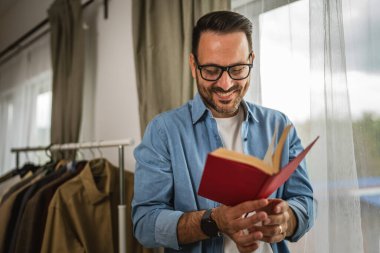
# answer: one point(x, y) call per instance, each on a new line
point(88, 145)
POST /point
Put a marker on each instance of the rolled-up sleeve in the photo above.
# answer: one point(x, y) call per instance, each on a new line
point(154, 218)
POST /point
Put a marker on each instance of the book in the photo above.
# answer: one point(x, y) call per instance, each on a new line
point(231, 177)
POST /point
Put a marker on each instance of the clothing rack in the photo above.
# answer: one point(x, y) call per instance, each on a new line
point(120, 144)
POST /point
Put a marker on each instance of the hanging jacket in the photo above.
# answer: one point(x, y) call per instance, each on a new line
point(82, 215)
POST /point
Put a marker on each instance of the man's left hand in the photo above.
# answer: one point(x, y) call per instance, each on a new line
point(281, 221)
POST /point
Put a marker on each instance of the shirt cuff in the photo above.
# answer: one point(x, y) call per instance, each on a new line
point(300, 212)
point(166, 228)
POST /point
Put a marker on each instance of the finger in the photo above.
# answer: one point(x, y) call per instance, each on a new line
point(248, 222)
point(273, 239)
point(280, 205)
point(274, 206)
point(277, 219)
point(248, 249)
point(248, 206)
point(246, 240)
point(222, 216)
point(271, 230)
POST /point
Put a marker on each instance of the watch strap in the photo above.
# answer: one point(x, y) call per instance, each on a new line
point(208, 225)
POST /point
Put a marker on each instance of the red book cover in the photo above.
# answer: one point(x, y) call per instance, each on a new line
point(231, 178)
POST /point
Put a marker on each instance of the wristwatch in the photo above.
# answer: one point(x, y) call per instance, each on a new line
point(208, 225)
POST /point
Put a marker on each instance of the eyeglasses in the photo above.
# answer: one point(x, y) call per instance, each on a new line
point(212, 72)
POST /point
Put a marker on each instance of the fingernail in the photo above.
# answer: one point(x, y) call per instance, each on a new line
point(263, 202)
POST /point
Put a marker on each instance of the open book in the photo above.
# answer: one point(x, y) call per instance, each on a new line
point(230, 177)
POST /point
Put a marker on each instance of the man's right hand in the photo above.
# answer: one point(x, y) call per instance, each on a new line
point(231, 221)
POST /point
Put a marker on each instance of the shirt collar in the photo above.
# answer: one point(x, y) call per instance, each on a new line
point(199, 109)
point(250, 108)
point(94, 190)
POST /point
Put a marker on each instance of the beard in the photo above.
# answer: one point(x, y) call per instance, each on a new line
point(226, 108)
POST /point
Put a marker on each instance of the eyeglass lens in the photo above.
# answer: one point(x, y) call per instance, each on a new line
point(236, 72)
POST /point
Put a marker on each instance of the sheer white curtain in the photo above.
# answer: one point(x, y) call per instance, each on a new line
point(26, 97)
point(25, 102)
point(332, 166)
point(318, 62)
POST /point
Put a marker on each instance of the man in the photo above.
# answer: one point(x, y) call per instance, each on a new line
point(167, 211)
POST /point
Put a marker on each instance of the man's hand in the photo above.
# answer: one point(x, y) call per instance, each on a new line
point(231, 221)
point(280, 223)
point(275, 215)
point(247, 242)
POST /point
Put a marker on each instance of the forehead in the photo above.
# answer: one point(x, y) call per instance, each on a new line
point(222, 48)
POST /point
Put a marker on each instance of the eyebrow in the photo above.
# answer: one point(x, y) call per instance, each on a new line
point(214, 64)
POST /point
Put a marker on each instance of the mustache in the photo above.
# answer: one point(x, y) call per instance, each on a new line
point(219, 89)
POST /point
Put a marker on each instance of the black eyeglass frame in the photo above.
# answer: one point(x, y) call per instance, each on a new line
point(224, 68)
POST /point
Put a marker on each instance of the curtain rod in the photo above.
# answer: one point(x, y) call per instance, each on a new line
point(16, 45)
point(79, 145)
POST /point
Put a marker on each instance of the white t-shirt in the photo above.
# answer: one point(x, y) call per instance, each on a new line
point(230, 131)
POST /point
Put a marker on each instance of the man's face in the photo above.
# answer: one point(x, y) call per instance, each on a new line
point(224, 95)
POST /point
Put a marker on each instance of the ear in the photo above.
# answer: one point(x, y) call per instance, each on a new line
point(252, 56)
point(193, 65)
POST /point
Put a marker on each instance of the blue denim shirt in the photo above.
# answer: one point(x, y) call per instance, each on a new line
point(169, 165)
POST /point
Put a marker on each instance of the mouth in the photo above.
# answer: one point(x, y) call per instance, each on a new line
point(225, 95)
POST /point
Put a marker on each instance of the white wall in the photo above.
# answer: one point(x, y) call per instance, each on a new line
point(115, 112)
point(116, 106)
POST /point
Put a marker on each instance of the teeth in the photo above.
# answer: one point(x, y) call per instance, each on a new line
point(224, 94)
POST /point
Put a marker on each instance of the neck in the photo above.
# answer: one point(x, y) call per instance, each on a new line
point(217, 114)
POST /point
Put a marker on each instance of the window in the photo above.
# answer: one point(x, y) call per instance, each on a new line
point(43, 117)
point(25, 103)
point(282, 50)
point(362, 42)
point(283, 79)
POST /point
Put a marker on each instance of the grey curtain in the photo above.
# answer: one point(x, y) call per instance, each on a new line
point(67, 53)
point(162, 32)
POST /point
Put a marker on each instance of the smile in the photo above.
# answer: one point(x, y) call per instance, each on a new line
point(225, 95)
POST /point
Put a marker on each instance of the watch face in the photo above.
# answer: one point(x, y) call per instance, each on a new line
point(211, 227)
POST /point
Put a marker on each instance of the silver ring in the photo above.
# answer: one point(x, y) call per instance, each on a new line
point(281, 229)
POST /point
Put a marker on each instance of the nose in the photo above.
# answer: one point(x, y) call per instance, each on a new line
point(225, 81)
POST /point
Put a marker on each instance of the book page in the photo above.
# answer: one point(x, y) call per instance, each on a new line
point(271, 162)
point(277, 155)
point(270, 151)
point(243, 158)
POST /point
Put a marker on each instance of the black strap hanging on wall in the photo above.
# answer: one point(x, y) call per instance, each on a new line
point(105, 9)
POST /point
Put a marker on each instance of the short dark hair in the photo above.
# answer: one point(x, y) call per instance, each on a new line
point(221, 22)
